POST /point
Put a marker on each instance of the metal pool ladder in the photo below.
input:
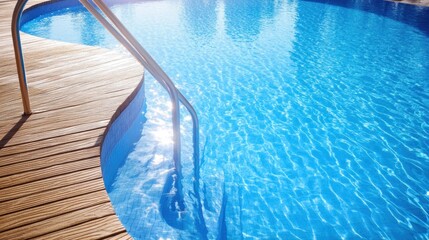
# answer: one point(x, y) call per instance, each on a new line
point(118, 30)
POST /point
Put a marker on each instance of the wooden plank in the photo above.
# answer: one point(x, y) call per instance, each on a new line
point(32, 136)
point(62, 222)
point(47, 152)
point(49, 196)
point(43, 212)
point(46, 118)
point(34, 127)
point(50, 183)
point(52, 171)
point(64, 104)
point(102, 228)
point(54, 160)
point(51, 142)
point(90, 103)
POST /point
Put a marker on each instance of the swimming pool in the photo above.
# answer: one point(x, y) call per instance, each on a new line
point(314, 116)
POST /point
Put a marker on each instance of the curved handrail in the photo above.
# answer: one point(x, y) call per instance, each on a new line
point(135, 48)
point(163, 77)
point(19, 57)
point(157, 73)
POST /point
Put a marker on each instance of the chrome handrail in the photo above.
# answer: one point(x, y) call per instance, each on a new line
point(122, 34)
point(163, 77)
point(19, 57)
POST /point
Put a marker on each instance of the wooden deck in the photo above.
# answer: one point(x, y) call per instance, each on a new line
point(50, 178)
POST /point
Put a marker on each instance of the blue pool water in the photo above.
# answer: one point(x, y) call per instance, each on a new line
point(314, 117)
